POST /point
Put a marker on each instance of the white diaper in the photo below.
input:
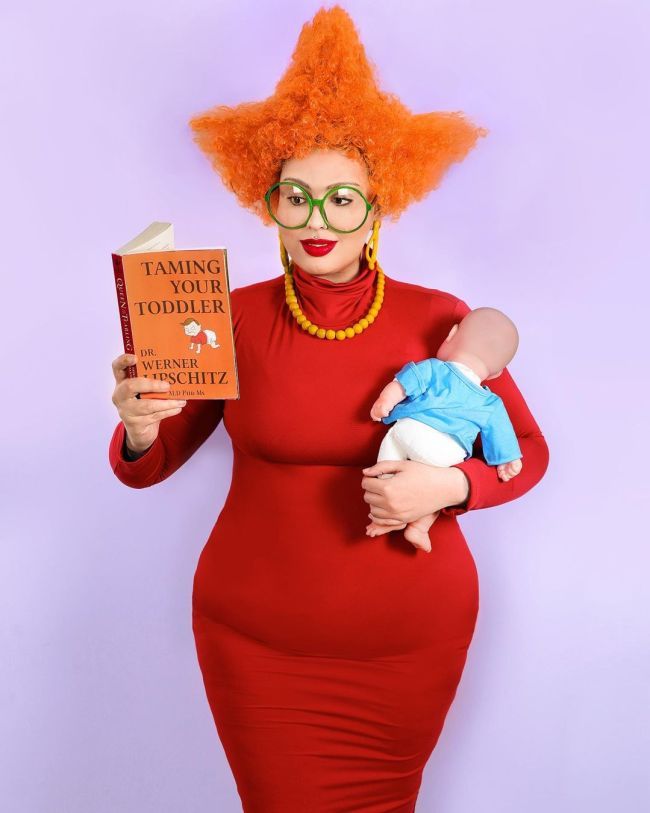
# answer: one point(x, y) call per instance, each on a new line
point(410, 439)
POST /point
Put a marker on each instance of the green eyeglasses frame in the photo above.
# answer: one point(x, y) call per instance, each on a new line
point(320, 202)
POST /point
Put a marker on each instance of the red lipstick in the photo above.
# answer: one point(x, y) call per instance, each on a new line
point(318, 248)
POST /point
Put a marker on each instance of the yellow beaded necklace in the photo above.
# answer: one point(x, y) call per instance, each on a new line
point(357, 327)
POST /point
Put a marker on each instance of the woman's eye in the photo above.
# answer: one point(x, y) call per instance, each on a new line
point(293, 198)
point(339, 198)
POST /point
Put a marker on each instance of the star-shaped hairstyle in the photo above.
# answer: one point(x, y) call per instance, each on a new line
point(328, 98)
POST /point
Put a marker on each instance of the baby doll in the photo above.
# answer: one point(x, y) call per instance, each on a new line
point(439, 406)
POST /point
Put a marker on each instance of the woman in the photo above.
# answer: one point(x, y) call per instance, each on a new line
point(330, 658)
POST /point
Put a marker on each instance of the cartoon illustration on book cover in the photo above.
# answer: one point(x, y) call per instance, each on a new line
point(198, 335)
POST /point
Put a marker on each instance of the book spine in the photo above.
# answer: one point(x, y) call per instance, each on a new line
point(230, 320)
point(123, 305)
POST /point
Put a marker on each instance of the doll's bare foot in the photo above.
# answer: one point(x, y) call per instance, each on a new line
point(374, 529)
point(417, 532)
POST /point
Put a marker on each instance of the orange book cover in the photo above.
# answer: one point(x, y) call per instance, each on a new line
point(175, 314)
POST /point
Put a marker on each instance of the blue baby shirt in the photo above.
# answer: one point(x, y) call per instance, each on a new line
point(438, 394)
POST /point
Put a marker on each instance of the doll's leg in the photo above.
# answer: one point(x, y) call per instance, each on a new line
point(417, 532)
point(390, 449)
point(427, 445)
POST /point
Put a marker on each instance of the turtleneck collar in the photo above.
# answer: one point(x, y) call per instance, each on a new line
point(335, 305)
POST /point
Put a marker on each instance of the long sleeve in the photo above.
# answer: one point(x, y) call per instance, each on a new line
point(485, 488)
point(178, 438)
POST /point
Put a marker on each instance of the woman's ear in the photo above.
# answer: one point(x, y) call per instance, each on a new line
point(375, 213)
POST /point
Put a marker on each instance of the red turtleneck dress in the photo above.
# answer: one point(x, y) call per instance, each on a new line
point(330, 658)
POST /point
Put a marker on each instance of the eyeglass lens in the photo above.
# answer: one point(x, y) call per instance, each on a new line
point(345, 208)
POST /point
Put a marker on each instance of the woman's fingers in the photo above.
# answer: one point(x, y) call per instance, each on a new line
point(141, 416)
point(154, 406)
point(130, 387)
point(127, 390)
point(143, 384)
point(378, 512)
point(161, 414)
point(387, 521)
point(139, 413)
point(376, 484)
point(374, 494)
point(121, 363)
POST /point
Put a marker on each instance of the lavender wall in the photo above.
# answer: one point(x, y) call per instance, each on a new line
point(102, 703)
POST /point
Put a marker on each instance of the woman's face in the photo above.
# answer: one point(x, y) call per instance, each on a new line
point(316, 172)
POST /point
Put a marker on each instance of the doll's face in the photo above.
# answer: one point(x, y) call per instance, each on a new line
point(316, 172)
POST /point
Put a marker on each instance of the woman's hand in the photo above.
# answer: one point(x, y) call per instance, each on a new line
point(141, 416)
point(411, 490)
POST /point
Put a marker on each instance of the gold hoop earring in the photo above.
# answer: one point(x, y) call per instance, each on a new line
point(284, 255)
point(372, 246)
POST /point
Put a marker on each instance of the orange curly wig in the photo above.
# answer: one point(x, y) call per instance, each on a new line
point(329, 98)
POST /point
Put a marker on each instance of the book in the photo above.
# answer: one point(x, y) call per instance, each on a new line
point(175, 314)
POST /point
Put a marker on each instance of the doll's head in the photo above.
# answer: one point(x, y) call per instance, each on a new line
point(486, 340)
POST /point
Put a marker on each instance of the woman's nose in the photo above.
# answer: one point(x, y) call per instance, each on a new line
point(316, 220)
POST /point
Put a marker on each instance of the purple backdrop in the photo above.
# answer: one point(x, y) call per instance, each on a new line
point(103, 707)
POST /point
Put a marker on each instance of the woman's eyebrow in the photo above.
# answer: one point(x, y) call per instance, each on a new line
point(331, 186)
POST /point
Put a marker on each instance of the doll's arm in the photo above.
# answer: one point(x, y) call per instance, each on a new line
point(409, 382)
point(389, 397)
point(415, 377)
point(485, 487)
